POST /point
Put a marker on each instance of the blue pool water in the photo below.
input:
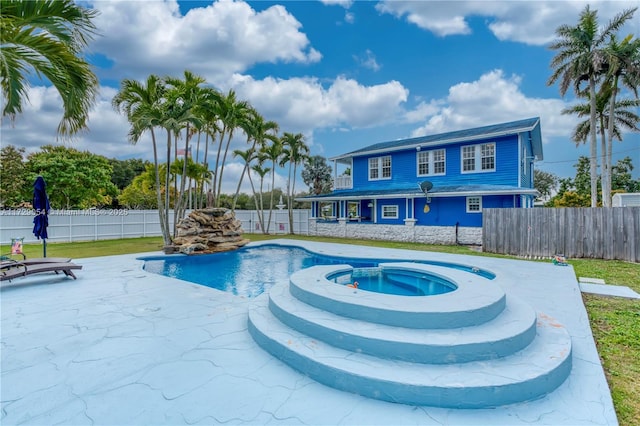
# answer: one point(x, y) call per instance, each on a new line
point(250, 271)
point(394, 281)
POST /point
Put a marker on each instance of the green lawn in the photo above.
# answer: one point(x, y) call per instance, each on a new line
point(615, 322)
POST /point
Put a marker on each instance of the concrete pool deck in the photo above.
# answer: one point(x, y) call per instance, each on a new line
point(120, 346)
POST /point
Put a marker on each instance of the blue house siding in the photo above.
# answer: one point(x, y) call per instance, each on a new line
point(449, 211)
point(402, 211)
point(404, 167)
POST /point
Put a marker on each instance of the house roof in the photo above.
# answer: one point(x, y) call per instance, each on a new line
point(531, 125)
point(416, 192)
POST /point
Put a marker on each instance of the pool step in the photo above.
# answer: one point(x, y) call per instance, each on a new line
point(524, 375)
point(470, 348)
point(511, 331)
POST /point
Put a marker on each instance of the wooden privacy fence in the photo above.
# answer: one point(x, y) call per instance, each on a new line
point(603, 233)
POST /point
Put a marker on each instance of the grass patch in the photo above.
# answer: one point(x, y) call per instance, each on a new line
point(615, 322)
point(91, 248)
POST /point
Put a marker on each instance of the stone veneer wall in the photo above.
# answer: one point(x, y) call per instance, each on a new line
point(405, 233)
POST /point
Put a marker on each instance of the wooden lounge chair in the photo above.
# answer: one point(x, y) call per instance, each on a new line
point(20, 269)
point(35, 261)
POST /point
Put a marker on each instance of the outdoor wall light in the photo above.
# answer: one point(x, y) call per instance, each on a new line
point(418, 148)
point(370, 205)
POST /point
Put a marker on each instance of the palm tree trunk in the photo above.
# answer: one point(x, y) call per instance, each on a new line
point(593, 155)
point(181, 201)
point(205, 161)
point(606, 196)
point(293, 191)
point(167, 183)
point(273, 182)
point(163, 228)
point(255, 200)
point(215, 171)
point(224, 159)
point(603, 162)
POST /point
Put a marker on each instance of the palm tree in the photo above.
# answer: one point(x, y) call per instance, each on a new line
point(624, 117)
point(295, 152)
point(48, 36)
point(142, 105)
point(623, 61)
point(259, 132)
point(233, 114)
point(184, 97)
point(274, 153)
point(261, 172)
point(580, 59)
point(207, 111)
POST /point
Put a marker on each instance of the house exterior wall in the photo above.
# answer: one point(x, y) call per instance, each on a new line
point(404, 167)
point(444, 211)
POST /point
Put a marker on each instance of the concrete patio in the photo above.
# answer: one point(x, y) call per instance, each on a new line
point(120, 346)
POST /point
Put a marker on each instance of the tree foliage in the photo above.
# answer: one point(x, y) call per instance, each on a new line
point(12, 176)
point(74, 179)
point(317, 175)
point(576, 192)
point(47, 37)
point(124, 171)
point(583, 56)
point(545, 183)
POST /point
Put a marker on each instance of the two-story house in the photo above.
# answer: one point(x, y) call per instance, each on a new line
point(442, 180)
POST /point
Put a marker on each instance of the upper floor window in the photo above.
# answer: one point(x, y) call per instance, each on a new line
point(431, 162)
point(380, 168)
point(479, 158)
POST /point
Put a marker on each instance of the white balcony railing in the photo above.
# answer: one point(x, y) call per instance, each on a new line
point(343, 182)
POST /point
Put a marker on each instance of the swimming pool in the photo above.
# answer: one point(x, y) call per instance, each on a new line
point(250, 271)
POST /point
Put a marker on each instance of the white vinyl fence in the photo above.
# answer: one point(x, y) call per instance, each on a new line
point(93, 224)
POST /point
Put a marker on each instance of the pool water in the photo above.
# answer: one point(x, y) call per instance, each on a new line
point(394, 281)
point(250, 271)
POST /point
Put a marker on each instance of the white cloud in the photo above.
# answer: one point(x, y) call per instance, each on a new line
point(303, 104)
point(213, 41)
point(344, 3)
point(349, 17)
point(368, 60)
point(530, 22)
point(493, 98)
point(107, 134)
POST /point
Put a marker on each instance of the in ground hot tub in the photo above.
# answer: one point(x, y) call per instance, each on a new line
point(398, 281)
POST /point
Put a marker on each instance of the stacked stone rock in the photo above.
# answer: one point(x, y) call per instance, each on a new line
point(209, 230)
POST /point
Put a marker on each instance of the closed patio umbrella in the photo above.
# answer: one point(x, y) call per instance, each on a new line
point(41, 207)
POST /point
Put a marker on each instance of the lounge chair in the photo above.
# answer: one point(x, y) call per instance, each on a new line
point(35, 261)
point(20, 269)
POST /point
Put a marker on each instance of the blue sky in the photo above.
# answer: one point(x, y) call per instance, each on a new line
point(346, 74)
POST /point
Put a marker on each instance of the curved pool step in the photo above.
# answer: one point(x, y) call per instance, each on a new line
point(525, 375)
point(509, 332)
point(477, 300)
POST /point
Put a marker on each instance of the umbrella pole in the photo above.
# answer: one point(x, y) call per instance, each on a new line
point(44, 247)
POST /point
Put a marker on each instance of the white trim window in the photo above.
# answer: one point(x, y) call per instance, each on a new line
point(478, 158)
point(474, 204)
point(390, 211)
point(431, 162)
point(380, 168)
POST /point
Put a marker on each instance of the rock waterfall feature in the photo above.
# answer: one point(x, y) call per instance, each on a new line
point(209, 230)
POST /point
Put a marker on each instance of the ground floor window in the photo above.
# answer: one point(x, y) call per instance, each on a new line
point(474, 204)
point(390, 212)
